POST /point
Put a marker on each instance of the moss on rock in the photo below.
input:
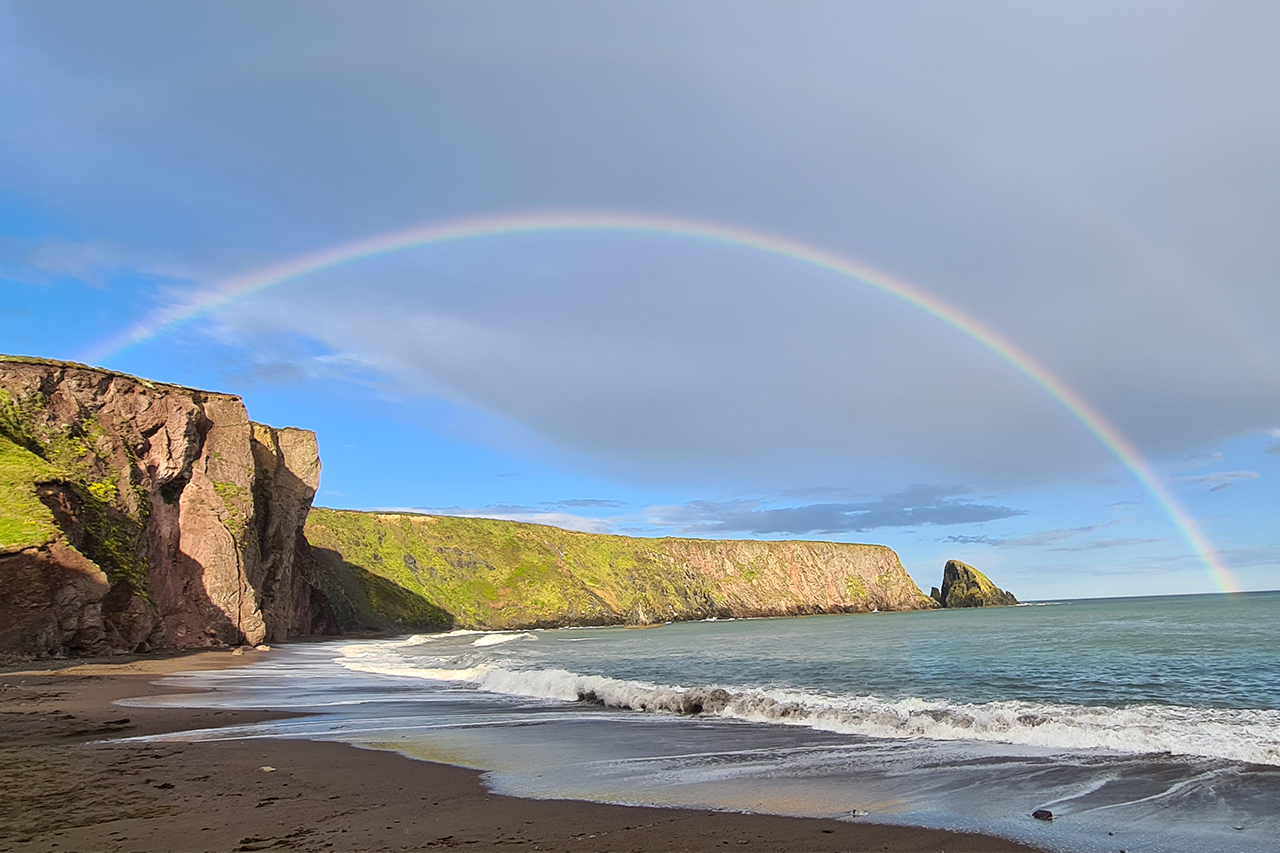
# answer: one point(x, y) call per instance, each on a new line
point(25, 522)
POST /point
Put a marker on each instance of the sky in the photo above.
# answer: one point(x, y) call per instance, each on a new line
point(1095, 183)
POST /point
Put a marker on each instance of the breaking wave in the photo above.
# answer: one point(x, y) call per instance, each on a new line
point(499, 639)
point(1251, 736)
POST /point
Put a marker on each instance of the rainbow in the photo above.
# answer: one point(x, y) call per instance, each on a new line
point(295, 268)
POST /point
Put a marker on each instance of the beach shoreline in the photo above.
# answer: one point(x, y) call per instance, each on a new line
point(65, 790)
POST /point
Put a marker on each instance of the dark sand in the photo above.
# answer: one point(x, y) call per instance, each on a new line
point(61, 791)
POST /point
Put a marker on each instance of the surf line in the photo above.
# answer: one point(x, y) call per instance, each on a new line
point(1116, 442)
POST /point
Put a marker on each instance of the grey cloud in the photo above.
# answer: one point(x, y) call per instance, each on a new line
point(1097, 544)
point(974, 540)
point(586, 503)
point(1220, 487)
point(969, 151)
point(918, 505)
point(1042, 538)
point(1274, 449)
point(1048, 537)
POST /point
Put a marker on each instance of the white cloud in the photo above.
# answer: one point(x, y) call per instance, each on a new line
point(565, 520)
point(1040, 539)
point(1222, 477)
point(1106, 543)
point(93, 262)
point(1207, 459)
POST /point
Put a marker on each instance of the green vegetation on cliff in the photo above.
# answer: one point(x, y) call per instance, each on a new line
point(965, 586)
point(52, 482)
point(25, 522)
point(385, 570)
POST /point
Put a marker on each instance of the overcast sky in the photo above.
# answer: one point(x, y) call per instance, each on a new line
point(1097, 182)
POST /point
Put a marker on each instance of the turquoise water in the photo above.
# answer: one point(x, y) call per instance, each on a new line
point(1148, 724)
point(1202, 651)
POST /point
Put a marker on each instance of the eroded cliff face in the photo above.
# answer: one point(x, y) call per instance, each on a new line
point(158, 516)
point(415, 571)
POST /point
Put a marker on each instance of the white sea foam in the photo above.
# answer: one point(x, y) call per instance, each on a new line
point(423, 639)
point(498, 639)
point(1233, 734)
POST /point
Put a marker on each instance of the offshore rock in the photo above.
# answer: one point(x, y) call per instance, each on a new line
point(965, 586)
point(405, 571)
point(138, 516)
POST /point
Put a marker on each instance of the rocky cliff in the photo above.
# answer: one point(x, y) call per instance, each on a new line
point(385, 570)
point(965, 586)
point(136, 516)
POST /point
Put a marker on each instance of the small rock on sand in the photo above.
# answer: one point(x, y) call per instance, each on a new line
point(1042, 814)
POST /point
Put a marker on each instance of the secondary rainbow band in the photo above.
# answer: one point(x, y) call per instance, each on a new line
point(496, 226)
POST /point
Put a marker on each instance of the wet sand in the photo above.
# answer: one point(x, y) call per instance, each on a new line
point(62, 789)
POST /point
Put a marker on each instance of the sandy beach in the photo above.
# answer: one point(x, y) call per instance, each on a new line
point(64, 790)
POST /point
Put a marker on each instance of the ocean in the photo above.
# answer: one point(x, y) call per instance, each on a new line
point(1143, 724)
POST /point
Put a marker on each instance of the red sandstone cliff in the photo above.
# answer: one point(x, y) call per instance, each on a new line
point(175, 520)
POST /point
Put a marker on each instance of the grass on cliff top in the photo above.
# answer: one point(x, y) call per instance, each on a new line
point(76, 365)
point(495, 573)
point(983, 582)
point(488, 573)
point(24, 521)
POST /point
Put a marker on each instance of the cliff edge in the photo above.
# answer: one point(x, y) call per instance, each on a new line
point(136, 515)
point(400, 570)
point(965, 586)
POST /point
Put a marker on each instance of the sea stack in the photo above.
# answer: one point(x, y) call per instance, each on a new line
point(965, 586)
